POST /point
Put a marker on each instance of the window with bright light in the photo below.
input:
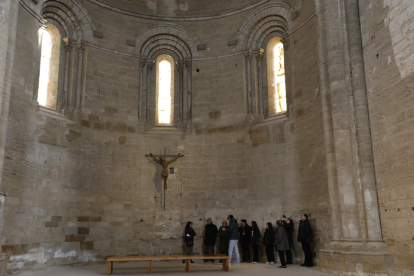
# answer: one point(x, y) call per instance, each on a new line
point(46, 55)
point(276, 77)
point(165, 89)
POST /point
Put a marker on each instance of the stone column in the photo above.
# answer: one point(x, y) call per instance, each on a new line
point(363, 130)
point(79, 80)
point(188, 65)
point(259, 59)
point(248, 58)
point(150, 64)
point(142, 63)
point(8, 30)
point(68, 45)
point(180, 68)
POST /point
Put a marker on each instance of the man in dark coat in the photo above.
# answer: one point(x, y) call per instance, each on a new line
point(245, 240)
point(305, 237)
point(288, 225)
point(210, 235)
point(234, 237)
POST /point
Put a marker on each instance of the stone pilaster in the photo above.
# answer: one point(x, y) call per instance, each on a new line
point(248, 64)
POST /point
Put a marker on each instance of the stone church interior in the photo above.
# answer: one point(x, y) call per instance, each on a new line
point(122, 120)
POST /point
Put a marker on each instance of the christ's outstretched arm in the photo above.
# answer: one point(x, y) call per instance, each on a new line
point(175, 159)
point(155, 159)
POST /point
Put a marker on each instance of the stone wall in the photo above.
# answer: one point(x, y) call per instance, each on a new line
point(388, 53)
point(79, 188)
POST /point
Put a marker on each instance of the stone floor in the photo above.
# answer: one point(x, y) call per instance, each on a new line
point(174, 268)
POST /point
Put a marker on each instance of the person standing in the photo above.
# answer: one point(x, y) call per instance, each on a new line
point(245, 236)
point(189, 239)
point(255, 242)
point(288, 225)
point(268, 241)
point(282, 242)
point(224, 239)
point(210, 235)
point(305, 238)
point(233, 237)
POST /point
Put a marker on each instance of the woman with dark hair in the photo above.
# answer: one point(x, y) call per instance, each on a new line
point(224, 239)
point(281, 242)
point(189, 239)
point(305, 237)
point(268, 241)
point(255, 242)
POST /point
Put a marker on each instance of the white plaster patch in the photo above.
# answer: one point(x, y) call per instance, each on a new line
point(367, 196)
point(401, 27)
point(181, 147)
point(15, 265)
point(24, 257)
point(60, 254)
point(152, 5)
point(184, 6)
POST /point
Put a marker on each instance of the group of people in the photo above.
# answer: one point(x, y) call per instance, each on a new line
point(231, 233)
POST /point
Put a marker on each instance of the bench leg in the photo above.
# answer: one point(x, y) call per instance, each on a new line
point(226, 265)
point(188, 265)
point(149, 267)
point(110, 268)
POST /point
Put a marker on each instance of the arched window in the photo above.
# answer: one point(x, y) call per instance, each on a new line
point(276, 76)
point(165, 90)
point(49, 67)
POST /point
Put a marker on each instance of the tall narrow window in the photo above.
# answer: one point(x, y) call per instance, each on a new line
point(276, 76)
point(46, 55)
point(280, 86)
point(49, 67)
point(165, 90)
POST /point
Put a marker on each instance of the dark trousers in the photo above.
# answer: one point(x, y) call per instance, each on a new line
point(308, 253)
point(282, 257)
point(270, 252)
point(245, 252)
point(289, 256)
point(207, 249)
point(255, 252)
point(226, 252)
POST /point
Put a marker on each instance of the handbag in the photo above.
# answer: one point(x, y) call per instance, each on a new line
point(189, 242)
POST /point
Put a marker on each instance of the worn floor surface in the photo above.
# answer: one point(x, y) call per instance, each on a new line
point(174, 268)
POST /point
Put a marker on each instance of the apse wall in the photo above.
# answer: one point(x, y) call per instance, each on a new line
point(389, 54)
point(79, 188)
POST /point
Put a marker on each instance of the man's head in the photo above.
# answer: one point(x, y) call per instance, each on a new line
point(230, 217)
point(209, 221)
point(243, 222)
point(304, 216)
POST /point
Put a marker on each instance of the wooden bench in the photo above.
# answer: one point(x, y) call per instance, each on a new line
point(187, 259)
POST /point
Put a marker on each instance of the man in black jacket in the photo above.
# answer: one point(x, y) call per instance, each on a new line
point(245, 239)
point(305, 237)
point(210, 235)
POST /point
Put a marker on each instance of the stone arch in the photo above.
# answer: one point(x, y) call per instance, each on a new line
point(72, 16)
point(274, 17)
point(168, 36)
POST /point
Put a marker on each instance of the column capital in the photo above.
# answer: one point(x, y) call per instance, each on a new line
point(286, 42)
point(142, 61)
point(67, 44)
point(248, 54)
point(80, 46)
point(180, 65)
point(188, 63)
point(150, 63)
point(259, 54)
point(42, 24)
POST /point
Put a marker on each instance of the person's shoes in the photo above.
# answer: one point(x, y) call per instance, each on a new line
point(192, 261)
point(220, 261)
point(212, 261)
point(282, 266)
point(183, 261)
point(309, 265)
point(303, 264)
point(267, 263)
point(272, 262)
point(289, 263)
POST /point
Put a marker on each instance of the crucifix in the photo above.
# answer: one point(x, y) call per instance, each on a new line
point(164, 163)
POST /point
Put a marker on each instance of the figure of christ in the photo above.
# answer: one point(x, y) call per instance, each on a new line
point(164, 163)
